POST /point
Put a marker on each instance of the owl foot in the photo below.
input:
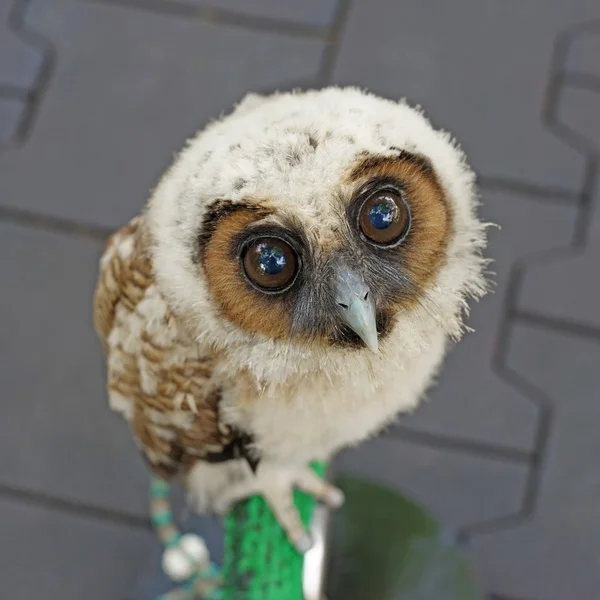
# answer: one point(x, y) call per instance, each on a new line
point(275, 483)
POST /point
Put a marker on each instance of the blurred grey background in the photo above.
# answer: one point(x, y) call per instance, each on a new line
point(95, 96)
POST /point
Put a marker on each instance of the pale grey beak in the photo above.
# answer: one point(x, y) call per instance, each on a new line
point(356, 305)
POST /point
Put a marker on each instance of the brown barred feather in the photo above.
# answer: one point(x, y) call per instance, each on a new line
point(160, 379)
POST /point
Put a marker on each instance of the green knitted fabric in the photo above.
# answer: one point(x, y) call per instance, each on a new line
point(260, 564)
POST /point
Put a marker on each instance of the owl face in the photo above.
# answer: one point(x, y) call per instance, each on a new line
point(326, 220)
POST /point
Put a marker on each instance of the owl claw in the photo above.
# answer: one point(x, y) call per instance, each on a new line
point(276, 483)
point(304, 544)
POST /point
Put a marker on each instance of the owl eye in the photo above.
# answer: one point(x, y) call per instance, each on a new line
point(385, 218)
point(270, 264)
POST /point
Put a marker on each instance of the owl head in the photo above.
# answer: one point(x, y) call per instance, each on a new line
point(321, 229)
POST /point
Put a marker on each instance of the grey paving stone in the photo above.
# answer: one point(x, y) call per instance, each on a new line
point(11, 112)
point(459, 488)
point(554, 555)
point(472, 399)
point(565, 287)
point(130, 86)
point(584, 50)
point(466, 63)
point(57, 434)
point(575, 104)
point(48, 554)
point(20, 61)
point(318, 13)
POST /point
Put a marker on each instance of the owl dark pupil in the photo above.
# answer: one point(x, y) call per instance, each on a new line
point(271, 260)
point(381, 214)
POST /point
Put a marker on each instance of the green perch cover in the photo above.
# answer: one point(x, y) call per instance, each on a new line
point(260, 563)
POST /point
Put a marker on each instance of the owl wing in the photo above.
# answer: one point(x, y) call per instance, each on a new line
point(158, 377)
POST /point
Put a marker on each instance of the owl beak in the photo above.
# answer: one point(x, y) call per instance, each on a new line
point(356, 305)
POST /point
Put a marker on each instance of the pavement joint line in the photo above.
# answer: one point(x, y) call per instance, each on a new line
point(541, 435)
point(500, 523)
point(330, 54)
point(218, 16)
point(14, 92)
point(571, 138)
point(511, 314)
point(581, 80)
point(53, 224)
point(17, 24)
point(567, 326)
point(586, 209)
point(74, 508)
point(460, 444)
point(580, 144)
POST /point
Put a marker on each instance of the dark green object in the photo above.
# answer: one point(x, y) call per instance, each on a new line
point(383, 546)
point(260, 563)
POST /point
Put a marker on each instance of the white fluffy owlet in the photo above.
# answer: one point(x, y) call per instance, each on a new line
point(290, 289)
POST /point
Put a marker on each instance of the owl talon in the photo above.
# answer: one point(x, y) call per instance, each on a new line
point(309, 482)
point(304, 544)
point(276, 483)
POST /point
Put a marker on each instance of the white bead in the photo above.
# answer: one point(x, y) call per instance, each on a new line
point(194, 546)
point(176, 564)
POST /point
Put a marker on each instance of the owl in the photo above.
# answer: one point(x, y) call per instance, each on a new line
point(290, 288)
